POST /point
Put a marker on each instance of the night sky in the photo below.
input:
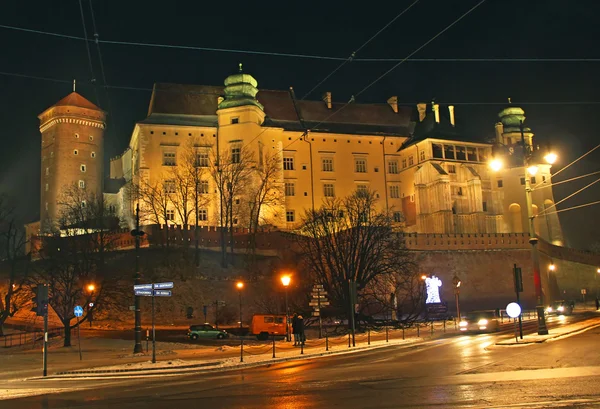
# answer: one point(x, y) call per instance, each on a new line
point(560, 98)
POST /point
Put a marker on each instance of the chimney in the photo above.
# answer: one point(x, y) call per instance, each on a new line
point(219, 100)
point(436, 111)
point(327, 99)
point(393, 102)
point(499, 131)
point(451, 111)
point(422, 108)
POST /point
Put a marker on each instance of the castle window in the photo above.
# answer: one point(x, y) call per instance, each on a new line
point(523, 181)
point(403, 163)
point(235, 220)
point(471, 154)
point(237, 201)
point(83, 168)
point(169, 159)
point(360, 165)
point(438, 150)
point(91, 137)
point(422, 156)
point(500, 183)
point(75, 152)
point(47, 171)
point(82, 184)
point(533, 180)
point(202, 159)
point(93, 154)
point(461, 153)
point(484, 205)
point(393, 167)
point(290, 216)
point(397, 217)
point(170, 213)
point(169, 186)
point(288, 163)
point(451, 168)
point(235, 120)
point(202, 215)
point(328, 190)
point(203, 187)
point(362, 189)
point(290, 189)
point(395, 192)
point(327, 164)
point(543, 177)
point(449, 152)
point(76, 136)
point(411, 160)
point(236, 155)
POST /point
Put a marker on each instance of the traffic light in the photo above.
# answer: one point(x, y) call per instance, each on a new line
point(40, 300)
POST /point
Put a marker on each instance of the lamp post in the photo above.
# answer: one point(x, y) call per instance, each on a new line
point(91, 288)
point(137, 233)
point(240, 286)
point(531, 170)
point(456, 281)
point(596, 281)
point(285, 280)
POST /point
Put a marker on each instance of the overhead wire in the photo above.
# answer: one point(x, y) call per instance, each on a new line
point(96, 38)
point(574, 207)
point(546, 185)
point(545, 210)
point(87, 47)
point(293, 55)
point(355, 52)
point(578, 159)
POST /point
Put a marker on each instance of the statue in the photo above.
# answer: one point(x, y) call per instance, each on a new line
point(433, 284)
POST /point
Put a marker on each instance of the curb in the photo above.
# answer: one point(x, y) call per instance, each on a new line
point(111, 371)
point(175, 370)
point(576, 331)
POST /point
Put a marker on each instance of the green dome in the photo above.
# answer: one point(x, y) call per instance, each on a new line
point(240, 90)
point(511, 118)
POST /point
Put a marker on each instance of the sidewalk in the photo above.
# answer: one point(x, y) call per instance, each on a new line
point(553, 334)
point(109, 357)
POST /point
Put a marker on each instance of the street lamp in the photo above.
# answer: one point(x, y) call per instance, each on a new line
point(90, 287)
point(530, 170)
point(285, 280)
point(240, 285)
point(456, 281)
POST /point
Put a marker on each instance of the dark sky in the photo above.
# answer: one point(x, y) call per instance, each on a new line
point(497, 29)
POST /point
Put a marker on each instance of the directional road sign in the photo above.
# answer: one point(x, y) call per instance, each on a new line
point(162, 286)
point(314, 295)
point(143, 292)
point(78, 311)
point(316, 304)
point(142, 287)
point(162, 293)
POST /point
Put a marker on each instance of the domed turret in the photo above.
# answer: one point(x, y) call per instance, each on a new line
point(240, 90)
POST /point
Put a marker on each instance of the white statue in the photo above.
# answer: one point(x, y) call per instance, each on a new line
point(433, 284)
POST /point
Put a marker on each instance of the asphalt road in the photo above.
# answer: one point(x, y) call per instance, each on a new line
point(465, 371)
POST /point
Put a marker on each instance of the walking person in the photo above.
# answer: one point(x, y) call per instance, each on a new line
point(295, 329)
point(300, 328)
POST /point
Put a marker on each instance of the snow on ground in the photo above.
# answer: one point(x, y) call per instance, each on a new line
point(553, 333)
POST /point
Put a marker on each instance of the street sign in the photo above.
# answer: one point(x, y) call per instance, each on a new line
point(143, 292)
point(316, 313)
point(132, 308)
point(319, 286)
point(162, 293)
point(518, 279)
point(159, 286)
point(319, 295)
point(142, 287)
point(513, 310)
point(91, 304)
point(78, 311)
point(316, 304)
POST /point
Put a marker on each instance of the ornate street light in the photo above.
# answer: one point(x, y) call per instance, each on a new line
point(285, 280)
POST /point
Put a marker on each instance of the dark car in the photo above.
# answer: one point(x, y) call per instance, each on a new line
point(206, 331)
point(560, 307)
point(480, 321)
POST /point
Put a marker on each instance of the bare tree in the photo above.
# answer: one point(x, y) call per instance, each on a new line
point(12, 253)
point(265, 195)
point(156, 204)
point(74, 257)
point(350, 240)
point(231, 172)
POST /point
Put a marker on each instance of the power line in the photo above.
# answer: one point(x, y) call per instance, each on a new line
point(578, 159)
point(353, 55)
point(546, 185)
point(96, 38)
point(296, 55)
point(568, 197)
point(352, 99)
point(574, 207)
point(87, 46)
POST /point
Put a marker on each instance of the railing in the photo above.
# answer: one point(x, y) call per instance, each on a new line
point(24, 338)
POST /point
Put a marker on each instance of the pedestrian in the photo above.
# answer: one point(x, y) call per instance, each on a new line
point(300, 328)
point(597, 304)
point(295, 328)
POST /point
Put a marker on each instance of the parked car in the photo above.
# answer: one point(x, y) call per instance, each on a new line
point(480, 321)
point(206, 331)
point(560, 307)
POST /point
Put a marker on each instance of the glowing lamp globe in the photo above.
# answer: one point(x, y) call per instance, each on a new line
point(532, 170)
point(496, 165)
point(285, 280)
point(513, 310)
point(550, 158)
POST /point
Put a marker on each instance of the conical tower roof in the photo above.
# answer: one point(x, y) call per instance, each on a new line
point(76, 100)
